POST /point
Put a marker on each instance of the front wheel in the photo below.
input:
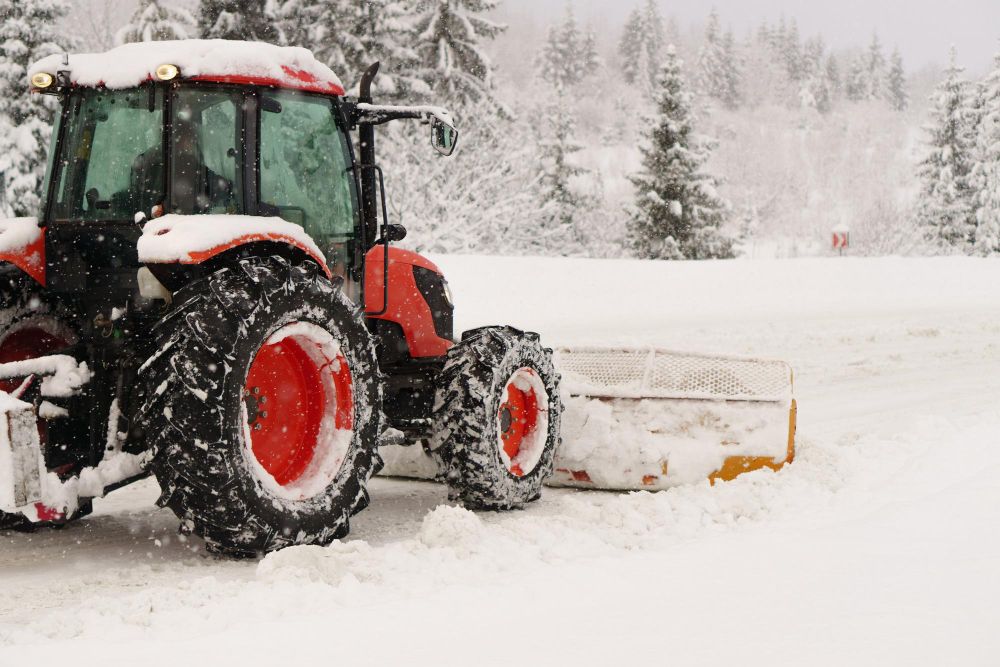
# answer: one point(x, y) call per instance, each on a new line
point(497, 418)
point(262, 405)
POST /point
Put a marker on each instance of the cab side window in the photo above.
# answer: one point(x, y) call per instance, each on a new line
point(305, 169)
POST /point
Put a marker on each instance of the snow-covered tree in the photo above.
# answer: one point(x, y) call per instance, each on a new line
point(569, 55)
point(875, 73)
point(832, 75)
point(946, 208)
point(559, 193)
point(896, 93)
point(253, 20)
point(155, 20)
point(631, 47)
point(299, 22)
point(678, 212)
point(29, 31)
point(986, 172)
point(712, 60)
point(450, 40)
point(718, 64)
point(641, 44)
point(856, 86)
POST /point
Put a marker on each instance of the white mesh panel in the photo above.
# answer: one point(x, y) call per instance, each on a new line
point(637, 373)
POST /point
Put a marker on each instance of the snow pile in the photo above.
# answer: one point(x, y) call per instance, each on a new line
point(192, 238)
point(132, 64)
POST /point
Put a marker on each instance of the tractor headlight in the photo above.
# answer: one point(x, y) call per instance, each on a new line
point(41, 80)
point(167, 72)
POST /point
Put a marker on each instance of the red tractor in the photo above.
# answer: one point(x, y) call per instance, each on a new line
point(210, 295)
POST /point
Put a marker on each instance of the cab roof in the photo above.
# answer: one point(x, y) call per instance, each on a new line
point(224, 61)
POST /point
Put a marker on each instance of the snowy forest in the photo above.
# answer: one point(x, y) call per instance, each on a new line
point(658, 140)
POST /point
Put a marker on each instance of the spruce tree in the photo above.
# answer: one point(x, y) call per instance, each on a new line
point(155, 20)
point(251, 20)
point(632, 46)
point(29, 31)
point(712, 60)
point(875, 70)
point(986, 173)
point(733, 93)
point(856, 83)
point(946, 211)
point(832, 76)
point(654, 38)
point(678, 212)
point(896, 93)
point(569, 55)
point(450, 40)
point(560, 198)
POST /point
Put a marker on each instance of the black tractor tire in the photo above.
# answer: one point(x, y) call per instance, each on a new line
point(24, 306)
point(467, 425)
point(193, 407)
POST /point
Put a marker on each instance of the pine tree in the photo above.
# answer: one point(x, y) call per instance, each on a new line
point(896, 93)
point(450, 36)
point(791, 51)
point(632, 46)
point(568, 56)
point(678, 211)
point(732, 94)
point(875, 70)
point(29, 31)
point(156, 21)
point(856, 84)
point(986, 173)
point(299, 23)
point(718, 64)
point(946, 210)
point(560, 198)
point(654, 37)
point(712, 60)
point(832, 75)
point(252, 20)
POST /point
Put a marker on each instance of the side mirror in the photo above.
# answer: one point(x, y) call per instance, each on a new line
point(394, 233)
point(444, 137)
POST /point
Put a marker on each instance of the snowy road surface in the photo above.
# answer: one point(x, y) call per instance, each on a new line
point(879, 545)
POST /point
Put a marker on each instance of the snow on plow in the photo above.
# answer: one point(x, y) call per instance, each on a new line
point(26, 487)
point(649, 419)
point(652, 419)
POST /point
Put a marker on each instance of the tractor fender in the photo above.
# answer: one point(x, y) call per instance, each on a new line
point(407, 304)
point(196, 239)
point(22, 243)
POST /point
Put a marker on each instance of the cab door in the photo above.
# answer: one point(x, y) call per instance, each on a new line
point(306, 173)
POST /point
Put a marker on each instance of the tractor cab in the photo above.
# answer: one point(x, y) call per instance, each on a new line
point(213, 143)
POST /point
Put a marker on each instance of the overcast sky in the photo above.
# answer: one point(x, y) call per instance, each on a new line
point(923, 29)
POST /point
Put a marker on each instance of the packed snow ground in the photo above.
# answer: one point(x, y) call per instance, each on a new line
point(877, 546)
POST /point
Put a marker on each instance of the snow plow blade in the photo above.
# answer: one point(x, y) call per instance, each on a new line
point(650, 419)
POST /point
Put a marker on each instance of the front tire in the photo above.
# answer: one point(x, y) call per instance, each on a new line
point(262, 406)
point(497, 418)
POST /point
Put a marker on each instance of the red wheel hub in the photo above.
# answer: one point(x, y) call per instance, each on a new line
point(292, 387)
point(517, 420)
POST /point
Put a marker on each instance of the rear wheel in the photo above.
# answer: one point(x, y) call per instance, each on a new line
point(497, 418)
point(262, 406)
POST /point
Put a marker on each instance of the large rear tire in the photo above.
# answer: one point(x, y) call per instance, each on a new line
point(262, 405)
point(497, 418)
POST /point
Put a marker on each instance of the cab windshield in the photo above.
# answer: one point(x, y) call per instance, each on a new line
point(110, 162)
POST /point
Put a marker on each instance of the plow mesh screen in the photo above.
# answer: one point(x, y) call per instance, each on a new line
point(624, 373)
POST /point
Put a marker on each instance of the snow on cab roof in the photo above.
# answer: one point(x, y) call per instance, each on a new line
point(200, 59)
